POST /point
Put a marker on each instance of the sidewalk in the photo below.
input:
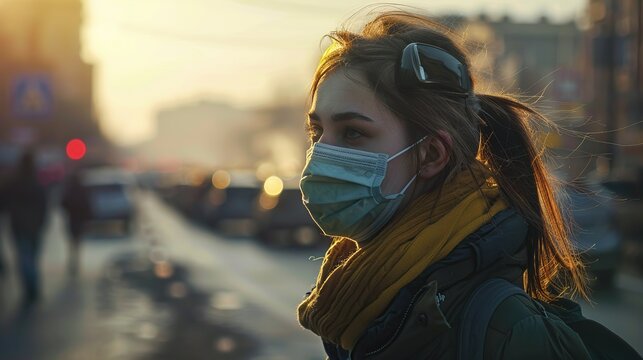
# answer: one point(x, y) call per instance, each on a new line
point(125, 304)
point(50, 328)
point(52, 265)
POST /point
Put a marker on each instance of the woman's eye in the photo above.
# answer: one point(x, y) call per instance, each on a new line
point(352, 134)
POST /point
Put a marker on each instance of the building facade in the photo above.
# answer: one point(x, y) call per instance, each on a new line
point(615, 47)
point(46, 88)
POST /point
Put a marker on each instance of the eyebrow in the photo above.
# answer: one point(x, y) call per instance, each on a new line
point(343, 116)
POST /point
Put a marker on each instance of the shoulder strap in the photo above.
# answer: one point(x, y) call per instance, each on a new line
point(600, 341)
point(478, 310)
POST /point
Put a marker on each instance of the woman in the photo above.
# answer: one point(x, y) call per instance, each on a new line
point(429, 189)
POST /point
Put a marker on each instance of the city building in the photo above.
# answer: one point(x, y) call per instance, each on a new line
point(202, 132)
point(615, 47)
point(46, 95)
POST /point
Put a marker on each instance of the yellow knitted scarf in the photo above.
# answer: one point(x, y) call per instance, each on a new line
point(355, 284)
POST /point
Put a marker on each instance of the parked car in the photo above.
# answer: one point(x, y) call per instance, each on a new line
point(593, 232)
point(111, 197)
point(628, 214)
point(229, 204)
point(283, 220)
point(189, 197)
point(184, 190)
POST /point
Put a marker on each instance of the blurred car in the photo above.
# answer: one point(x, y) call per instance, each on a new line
point(230, 202)
point(282, 219)
point(187, 198)
point(593, 232)
point(111, 197)
point(184, 190)
point(628, 214)
point(150, 179)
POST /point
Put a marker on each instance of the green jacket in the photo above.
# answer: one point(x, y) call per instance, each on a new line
point(423, 319)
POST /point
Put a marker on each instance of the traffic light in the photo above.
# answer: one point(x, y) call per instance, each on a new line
point(76, 149)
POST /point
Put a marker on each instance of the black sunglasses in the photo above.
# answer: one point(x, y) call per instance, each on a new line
point(432, 66)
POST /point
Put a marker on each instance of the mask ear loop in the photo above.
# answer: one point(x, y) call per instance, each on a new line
point(406, 148)
point(402, 152)
point(404, 188)
point(409, 184)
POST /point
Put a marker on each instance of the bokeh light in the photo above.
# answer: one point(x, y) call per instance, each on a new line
point(273, 186)
point(221, 179)
point(268, 202)
point(76, 149)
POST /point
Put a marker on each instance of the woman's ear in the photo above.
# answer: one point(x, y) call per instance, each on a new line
point(435, 154)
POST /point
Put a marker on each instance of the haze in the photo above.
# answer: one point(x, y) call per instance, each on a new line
point(150, 54)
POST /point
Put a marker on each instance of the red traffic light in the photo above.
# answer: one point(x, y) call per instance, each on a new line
point(76, 149)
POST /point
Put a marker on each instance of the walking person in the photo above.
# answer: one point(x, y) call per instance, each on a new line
point(3, 267)
point(3, 224)
point(26, 205)
point(75, 202)
point(448, 240)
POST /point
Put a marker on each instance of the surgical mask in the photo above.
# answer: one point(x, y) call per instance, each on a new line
point(341, 188)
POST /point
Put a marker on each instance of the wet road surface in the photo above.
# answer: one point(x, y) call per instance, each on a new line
point(170, 291)
point(174, 290)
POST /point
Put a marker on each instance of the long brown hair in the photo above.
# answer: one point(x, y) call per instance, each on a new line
point(496, 130)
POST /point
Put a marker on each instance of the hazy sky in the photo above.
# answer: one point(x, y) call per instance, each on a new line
point(154, 53)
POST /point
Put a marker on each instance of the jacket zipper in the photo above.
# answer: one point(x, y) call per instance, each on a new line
point(397, 331)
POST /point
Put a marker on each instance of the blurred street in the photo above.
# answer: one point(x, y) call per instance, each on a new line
point(151, 154)
point(170, 291)
point(174, 290)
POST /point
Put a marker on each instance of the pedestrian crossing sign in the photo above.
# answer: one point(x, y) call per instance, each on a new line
point(32, 96)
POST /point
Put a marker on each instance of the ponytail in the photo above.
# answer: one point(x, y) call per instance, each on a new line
point(508, 149)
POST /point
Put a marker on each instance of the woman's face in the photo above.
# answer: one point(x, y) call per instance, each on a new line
point(346, 113)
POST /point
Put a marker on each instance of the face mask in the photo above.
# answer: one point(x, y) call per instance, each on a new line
point(341, 190)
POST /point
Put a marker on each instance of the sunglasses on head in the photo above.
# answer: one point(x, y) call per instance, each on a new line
point(433, 67)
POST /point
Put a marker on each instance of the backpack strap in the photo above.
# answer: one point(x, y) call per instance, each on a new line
point(478, 310)
point(600, 341)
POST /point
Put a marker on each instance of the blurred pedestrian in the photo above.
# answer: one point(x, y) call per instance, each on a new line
point(26, 204)
point(441, 208)
point(3, 268)
point(3, 223)
point(75, 202)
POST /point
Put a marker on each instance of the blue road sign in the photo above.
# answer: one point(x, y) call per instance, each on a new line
point(32, 96)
